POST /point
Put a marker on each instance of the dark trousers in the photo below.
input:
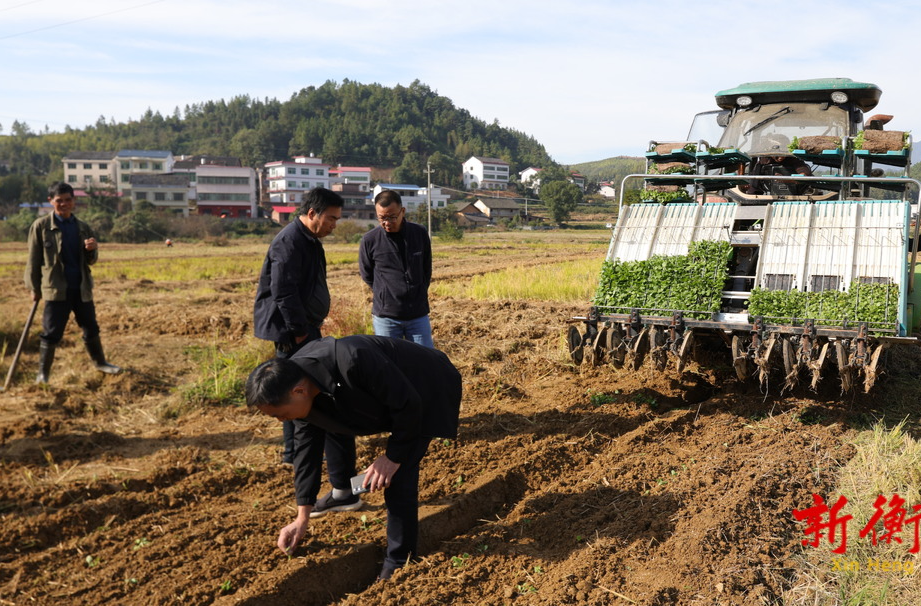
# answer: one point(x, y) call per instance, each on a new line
point(402, 500)
point(57, 313)
point(286, 350)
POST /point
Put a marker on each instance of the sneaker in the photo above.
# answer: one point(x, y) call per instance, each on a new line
point(328, 504)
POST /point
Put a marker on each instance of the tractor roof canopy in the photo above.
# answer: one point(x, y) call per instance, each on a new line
point(818, 90)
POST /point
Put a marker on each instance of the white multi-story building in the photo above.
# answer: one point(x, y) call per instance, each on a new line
point(288, 181)
point(219, 186)
point(90, 169)
point(130, 162)
point(351, 175)
point(485, 173)
point(414, 196)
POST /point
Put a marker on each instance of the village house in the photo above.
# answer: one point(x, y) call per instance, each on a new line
point(498, 208)
point(485, 173)
point(607, 190)
point(288, 180)
point(131, 162)
point(165, 191)
point(86, 169)
point(414, 196)
point(219, 186)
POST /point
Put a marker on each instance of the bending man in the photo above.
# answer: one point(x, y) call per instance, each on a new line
point(361, 385)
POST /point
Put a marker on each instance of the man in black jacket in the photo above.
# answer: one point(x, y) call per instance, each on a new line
point(292, 299)
point(395, 260)
point(361, 385)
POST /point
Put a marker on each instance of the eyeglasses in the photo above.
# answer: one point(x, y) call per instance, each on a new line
point(390, 218)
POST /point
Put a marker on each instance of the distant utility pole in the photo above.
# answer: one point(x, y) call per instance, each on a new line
point(428, 195)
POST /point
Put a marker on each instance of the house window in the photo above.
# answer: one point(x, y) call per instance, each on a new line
point(292, 184)
point(292, 171)
point(104, 178)
point(177, 197)
point(140, 195)
point(72, 165)
point(319, 172)
point(305, 171)
point(103, 166)
point(160, 196)
point(125, 178)
point(158, 166)
point(875, 280)
point(87, 178)
point(87, 166)
point(305, 184)
point(71, 178)
point(142, 164)
point(126, 165)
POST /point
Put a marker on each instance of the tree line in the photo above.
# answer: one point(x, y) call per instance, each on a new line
point(349, 123)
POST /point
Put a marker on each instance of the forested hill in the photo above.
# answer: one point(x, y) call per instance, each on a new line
point(348, 123)
point(612, 169)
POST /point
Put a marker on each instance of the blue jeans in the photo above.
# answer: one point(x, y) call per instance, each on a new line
point(418, 331)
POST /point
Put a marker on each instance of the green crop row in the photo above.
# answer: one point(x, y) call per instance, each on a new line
point(875, 303)
point(692, 282)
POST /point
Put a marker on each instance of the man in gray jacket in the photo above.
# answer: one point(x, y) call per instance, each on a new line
point(61, 250)
point(395, 260)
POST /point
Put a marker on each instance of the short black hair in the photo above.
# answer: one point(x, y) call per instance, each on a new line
point(272, 381)
point(319, 199)
point(388, 197)
point(59, 188)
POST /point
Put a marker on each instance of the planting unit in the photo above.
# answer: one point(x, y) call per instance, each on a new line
point(790, 238)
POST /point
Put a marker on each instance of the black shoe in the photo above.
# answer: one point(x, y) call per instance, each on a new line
point(385, 574)
point(328, 504)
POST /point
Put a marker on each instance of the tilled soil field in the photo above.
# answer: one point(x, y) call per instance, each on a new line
point(567, 485)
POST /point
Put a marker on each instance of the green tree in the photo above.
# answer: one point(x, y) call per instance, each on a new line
point(561, 198)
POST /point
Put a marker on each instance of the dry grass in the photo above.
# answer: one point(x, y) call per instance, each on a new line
point(887, 463)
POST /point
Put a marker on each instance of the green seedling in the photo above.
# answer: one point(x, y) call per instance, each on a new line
point(523, 588)
point(482, 548)
point(579, 538)
point(142, 542)
point(226, 586)
point(91, 562)
point(459, 561)
point(538, 570)
point(600, 398)
point(364, 522)
point(459, 481)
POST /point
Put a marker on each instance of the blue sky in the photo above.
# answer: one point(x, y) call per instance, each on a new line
point(588, 79)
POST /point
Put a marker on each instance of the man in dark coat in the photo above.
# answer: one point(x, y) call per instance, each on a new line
point(292, 299)
point(361, 385)
point(395, 260)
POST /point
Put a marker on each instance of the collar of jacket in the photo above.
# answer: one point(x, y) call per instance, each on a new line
point(318, 361)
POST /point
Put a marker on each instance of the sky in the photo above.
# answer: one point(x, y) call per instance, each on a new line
point(587, 79)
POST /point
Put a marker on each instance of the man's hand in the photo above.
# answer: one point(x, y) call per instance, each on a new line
point(292, 534)
point(300, 339)
point(36, 296)
point(380, 473)
point(90, 244)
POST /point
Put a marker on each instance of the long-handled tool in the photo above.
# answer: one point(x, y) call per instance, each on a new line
point(22, 341)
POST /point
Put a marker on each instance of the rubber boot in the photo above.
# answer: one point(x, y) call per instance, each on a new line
point(45, 360)
point(94, 347)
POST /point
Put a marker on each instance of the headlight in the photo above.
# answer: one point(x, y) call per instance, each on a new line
point(743, 101)
point(839, 97)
